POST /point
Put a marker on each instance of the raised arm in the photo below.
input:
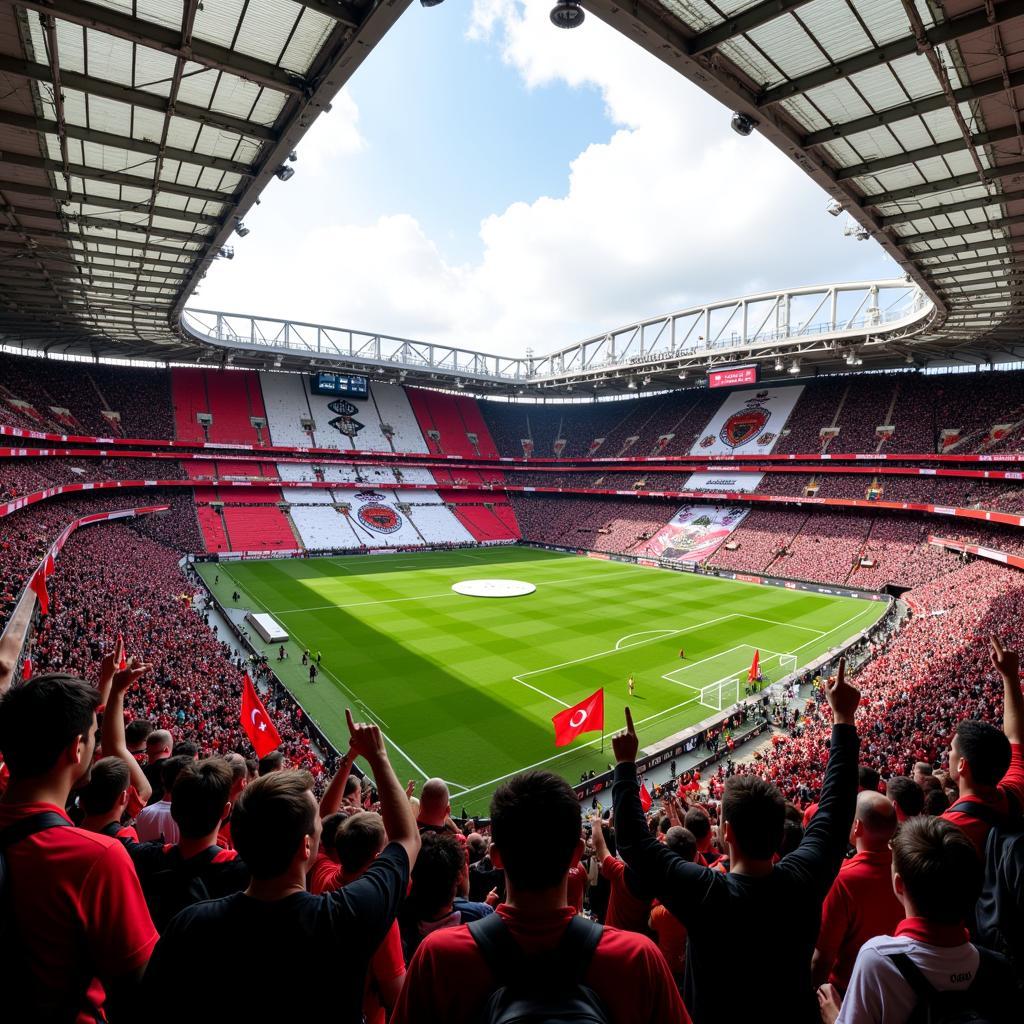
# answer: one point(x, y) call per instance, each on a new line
point(399, 822)
point(112, 735)
point(821, 851)
point(680, 885)
point(1007, 664)
point(330, 803)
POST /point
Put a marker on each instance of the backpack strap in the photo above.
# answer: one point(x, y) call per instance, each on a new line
point(111, 829)
point(30, 825)
point(978, 811)
point(506, 958)
point(912, 975)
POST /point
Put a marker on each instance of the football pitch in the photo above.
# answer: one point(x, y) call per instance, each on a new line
point(465, 687)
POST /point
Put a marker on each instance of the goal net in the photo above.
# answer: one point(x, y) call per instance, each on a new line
point(724, 693)
point(787, 665)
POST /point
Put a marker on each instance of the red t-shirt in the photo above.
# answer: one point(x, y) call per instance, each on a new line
point(624, 909)
point(671, 933)
point(859, 906)
point(387, 964)
point(80, 910)
point(577, 886)
point(326, 875)
point(1012, 782)
point(449, 980)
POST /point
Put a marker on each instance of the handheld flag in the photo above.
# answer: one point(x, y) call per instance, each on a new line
point(645, 798)
point(755, 666)
point(48, 567)
point(38, 584)
point(26, 670)
point(258, 727)
point(587, 716)
point(123, 663)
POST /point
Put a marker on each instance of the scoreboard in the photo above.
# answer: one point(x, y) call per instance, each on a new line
point(730, 376)
point(352, 385)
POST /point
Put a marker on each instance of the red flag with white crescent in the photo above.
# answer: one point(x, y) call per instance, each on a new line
point(257, 725)
point(587, 716)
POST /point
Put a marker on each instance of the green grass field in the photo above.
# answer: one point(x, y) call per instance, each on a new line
point(465, 687)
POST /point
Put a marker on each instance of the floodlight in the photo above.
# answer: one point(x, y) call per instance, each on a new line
point(241, 229)
point(834, 207)
point(566, 14)
point(742, 124)
point(779, 365)
point(794, 367)
point(284, 172)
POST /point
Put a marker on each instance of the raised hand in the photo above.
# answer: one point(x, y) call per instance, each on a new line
point(1006, 663)
point(625, 744)
point(364, 740)
point(410, 787)
point(842, 696)
point(125, 678)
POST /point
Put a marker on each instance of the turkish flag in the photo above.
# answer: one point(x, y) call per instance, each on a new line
point(587, 716)
point(258, 727)
point(645, 798)
point(38, 584)
point(26, 670)
point(755, 666)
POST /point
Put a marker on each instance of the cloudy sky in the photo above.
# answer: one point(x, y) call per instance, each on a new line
point(490, 181)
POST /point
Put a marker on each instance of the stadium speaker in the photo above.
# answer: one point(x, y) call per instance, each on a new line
point(742, 124)
point(241, 229)
point(430, 3)
point(567, 14)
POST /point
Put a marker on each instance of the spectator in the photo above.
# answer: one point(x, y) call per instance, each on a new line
point(861, 903)
point(104, 800)
point(669, 931)
point(435, 809)
point(922, 771)
point(906, 796)
point(156, 823)
point(450, 980)
point(937, 877)
point(987, 764)
point(276, 829)
point(629, 904)
point(195, 868)
point(772, 907)
point(158, 748)
point(272, 762)
point(437, 900)
point(78, 909)
point(136, 734)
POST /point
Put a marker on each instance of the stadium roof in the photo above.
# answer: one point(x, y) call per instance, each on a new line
point(907, 113)
point(134, 135)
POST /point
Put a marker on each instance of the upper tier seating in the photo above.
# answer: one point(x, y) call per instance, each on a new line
point(231, 397)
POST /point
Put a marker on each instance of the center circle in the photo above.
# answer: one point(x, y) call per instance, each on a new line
point(493, 588)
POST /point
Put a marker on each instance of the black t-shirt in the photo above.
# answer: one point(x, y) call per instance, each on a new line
point(303, 957)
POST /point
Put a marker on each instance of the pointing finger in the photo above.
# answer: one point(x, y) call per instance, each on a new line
point(629, 723)
point(349, 722)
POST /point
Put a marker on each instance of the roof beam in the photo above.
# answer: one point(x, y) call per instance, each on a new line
point(137, 97)
point(963, 230)
point(90, 259)
point(940, 211)
point(86, 239)
point(168, 40)
point(76, 131)
point(925, 105)
point(943, 184)
point(759, 14)
point(110, 225)
point(944, 32)
point(336, 9)
point(113, 204)
point(912, 156)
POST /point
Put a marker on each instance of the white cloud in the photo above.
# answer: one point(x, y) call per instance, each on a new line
point(333, 136)
point(674, 209)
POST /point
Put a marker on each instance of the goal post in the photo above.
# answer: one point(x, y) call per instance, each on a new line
point(723, 693)
point(787, 665)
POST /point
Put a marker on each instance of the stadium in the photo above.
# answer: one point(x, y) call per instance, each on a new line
point(456, 596)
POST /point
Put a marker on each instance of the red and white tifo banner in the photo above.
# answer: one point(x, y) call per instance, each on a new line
point(1003, 557)
point(587, 716)
point(46, 567)
point(732, 454)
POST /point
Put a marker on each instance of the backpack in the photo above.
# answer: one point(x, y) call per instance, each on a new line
point(176, 884)
point(999, 913)
point(543, 988)
point(14, 966)
point(935, 1007)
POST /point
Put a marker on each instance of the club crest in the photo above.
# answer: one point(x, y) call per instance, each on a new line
point(745, 425)
point(344, 417)
point(379, 518)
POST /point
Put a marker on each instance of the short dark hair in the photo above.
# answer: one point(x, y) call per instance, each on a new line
point(272, 762)
point(697, 821)
point(184, 748)
point(358, 839)
point(270, 819)
point(200, 793)
point(906, 794)
point(527, 806)
point(936, 803)
point(352, 783)
point(435, 876)
point(137, 732)
point(940, 869)
point(171, 768)
point(329, 829)
point(755, 810)
point(792, 837)
point(682, 842)
point(985, 748)
point(110, 778)
point(40, 718)
point(868, 778)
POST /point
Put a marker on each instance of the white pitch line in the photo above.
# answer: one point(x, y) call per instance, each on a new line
point(788, 625)
point(620, 646)
point(685, 668)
